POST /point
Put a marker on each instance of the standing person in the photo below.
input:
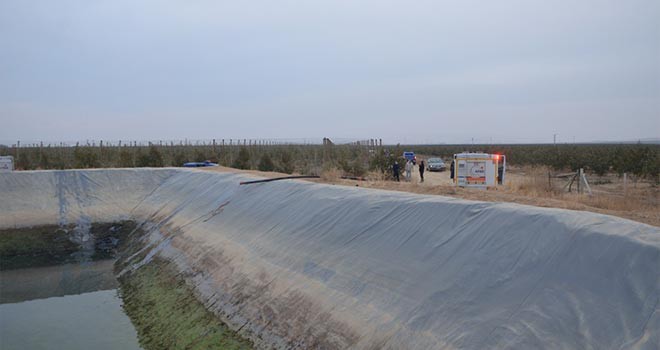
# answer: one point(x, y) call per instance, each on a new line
point(408, 170)
point(395, 171)
point(421, 170)
point(451, 169)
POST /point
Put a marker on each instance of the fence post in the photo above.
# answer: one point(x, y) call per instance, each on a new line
point(41, 153)
point(579, 181)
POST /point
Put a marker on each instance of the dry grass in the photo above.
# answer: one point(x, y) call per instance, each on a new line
point(607, 194)
point(331, 175)
point(531, 181)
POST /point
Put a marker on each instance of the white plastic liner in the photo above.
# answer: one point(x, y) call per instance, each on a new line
point(309, 265)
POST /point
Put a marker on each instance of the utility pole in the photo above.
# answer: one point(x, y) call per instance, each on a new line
point(554, 139)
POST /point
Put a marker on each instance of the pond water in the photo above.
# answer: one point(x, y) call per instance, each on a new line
point(71, 306)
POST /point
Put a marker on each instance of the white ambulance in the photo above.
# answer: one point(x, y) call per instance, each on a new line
point(478, 170)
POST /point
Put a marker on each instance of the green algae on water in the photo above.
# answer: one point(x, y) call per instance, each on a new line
point(166, 314)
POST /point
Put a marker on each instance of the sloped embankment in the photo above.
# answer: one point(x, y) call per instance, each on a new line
point(293, 264)
point(166, 314)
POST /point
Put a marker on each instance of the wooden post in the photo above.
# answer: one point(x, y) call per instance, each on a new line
point(625, 184)
point(579, 188)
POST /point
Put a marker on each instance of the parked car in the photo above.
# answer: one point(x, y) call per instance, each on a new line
point(410, 156)
point(199, 164)
point(435, 164)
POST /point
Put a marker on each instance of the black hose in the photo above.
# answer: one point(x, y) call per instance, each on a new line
point(280, 178)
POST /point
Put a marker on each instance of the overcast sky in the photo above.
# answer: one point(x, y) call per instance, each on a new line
point(405, 71)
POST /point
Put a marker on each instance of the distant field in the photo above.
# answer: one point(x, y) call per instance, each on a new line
point(641, 160)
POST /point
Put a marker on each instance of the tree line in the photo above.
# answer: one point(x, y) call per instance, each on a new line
point(642, 160)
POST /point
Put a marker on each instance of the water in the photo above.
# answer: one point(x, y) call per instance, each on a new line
point(72, 306)
point(56, 281)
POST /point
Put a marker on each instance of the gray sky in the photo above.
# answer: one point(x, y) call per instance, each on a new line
point(404, 71)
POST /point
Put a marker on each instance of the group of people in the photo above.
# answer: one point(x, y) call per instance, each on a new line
point(410, 165)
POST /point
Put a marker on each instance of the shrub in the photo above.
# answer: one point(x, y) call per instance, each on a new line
point(126, 159)
point(266, 163)
point(179, 159)
point(243, 159)
point(153, 158)
point(85, 157)
point(286, 163)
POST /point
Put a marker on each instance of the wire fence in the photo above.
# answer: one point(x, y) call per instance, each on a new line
point(193, 142)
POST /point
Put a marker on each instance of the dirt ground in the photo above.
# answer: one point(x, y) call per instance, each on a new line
point(530, 186)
